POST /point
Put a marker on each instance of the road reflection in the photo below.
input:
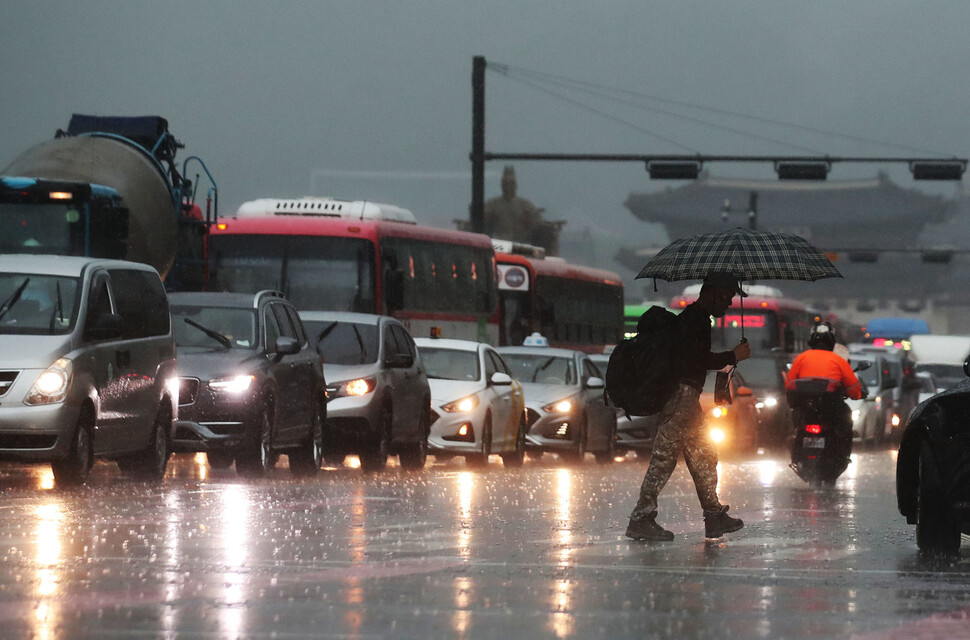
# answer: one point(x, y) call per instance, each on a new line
point(47, 558)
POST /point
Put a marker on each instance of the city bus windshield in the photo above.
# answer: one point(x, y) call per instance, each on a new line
point(314, 272)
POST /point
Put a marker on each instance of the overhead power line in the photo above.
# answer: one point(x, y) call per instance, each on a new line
point(606, 92)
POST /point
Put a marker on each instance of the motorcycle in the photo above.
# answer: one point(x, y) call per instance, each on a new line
point(823, 428)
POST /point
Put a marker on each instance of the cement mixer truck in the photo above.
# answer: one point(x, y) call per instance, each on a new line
point(109, 187)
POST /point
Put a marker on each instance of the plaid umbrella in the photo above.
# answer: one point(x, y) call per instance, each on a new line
point(744, 253)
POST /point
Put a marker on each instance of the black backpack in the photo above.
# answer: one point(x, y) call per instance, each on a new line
point(639, 376)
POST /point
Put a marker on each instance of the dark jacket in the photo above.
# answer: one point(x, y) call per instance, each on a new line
point(692, 353)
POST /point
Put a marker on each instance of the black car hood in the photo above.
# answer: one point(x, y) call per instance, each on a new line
point(205, 364)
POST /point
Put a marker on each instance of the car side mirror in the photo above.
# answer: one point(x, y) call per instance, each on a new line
point(107, 326)
point(399, 361)
point(863, 365)
point(744, 392)
point(595, 383)
point(500, 379)
point(966, 368)
point(286, 346)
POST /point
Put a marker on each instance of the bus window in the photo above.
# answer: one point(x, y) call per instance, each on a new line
point(314, 272)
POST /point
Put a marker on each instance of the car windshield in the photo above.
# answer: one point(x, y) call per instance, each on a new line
point(541, 368)
point(451, 364)
point(197, 326)
point(345, 343)
point(315, 272)
point(37, 304)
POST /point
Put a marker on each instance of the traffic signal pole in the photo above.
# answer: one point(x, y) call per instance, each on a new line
point(477, 213)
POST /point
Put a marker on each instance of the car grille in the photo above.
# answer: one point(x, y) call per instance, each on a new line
point(531, 416)
point(26, 441)
point(188, 390)
point(6, 380)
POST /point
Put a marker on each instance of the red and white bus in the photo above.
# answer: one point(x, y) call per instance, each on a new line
point(572, 306)
point(771, 321)
point(339, 255)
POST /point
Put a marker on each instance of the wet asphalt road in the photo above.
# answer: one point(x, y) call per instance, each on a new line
point(449, 552)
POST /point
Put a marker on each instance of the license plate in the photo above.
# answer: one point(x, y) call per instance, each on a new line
point(813, 443)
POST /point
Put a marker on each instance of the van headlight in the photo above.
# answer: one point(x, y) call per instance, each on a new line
point(52, 385)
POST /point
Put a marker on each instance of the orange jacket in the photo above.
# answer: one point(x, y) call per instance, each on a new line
point(819, 363)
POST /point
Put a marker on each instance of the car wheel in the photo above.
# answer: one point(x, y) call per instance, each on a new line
point(936, 530)
point(481, 459)
point(607, 456)
point(306, 460)
point(219, 459)
point(256, 457)
point(73, 471)
point(374, 455)
point(150, 463)
point(517, 456)
point(414, 455)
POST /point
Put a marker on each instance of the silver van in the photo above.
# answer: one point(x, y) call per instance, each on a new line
point(87, 365)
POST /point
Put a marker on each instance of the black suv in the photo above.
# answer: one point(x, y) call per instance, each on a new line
point(251, 386)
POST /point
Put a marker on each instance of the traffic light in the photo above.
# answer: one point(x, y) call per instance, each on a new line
point(802, 170)
point(673, 169)
point(863, 256)
point(952, 170)
point(937, 256)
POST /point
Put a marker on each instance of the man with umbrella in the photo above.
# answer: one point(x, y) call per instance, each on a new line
point(681, 421)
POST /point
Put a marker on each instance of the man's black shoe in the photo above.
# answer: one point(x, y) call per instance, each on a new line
point(717, 524)
point(648, 529)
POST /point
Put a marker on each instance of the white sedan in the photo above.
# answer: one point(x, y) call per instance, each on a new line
point(477, 406)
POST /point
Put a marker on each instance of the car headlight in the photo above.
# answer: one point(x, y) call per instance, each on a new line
point(770, 401)
point(356, 388)
point(461, 406)
point(718, 435)
point(719, 412)
point(855, 415)
point(52, 385)
point(232, 384)
point(559, 406)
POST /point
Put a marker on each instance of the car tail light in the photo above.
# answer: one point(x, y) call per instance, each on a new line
point(813, 428)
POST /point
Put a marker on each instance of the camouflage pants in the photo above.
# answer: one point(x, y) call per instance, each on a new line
point(681, 430)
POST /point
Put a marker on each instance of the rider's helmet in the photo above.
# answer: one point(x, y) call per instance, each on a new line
point(822, 336)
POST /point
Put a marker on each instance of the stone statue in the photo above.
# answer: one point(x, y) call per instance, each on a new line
point(510, 217)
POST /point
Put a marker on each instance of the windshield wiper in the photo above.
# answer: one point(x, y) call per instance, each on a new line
point(360, 342)
point(215, 335)
point(57, 312)
point(14, 297)
point(323, 334)
point(542, 367)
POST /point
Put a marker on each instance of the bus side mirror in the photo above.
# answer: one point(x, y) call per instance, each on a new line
point(394, 289)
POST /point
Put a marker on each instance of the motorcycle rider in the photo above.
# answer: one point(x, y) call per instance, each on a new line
point(820, 361)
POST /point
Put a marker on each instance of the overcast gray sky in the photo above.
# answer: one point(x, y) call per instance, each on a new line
point(372, 100)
